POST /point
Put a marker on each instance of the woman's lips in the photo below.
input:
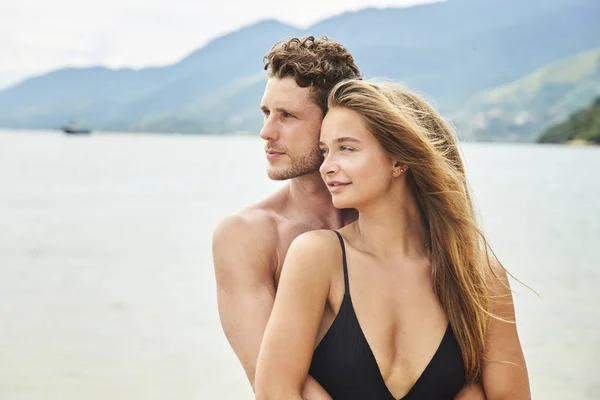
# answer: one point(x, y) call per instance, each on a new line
point(335, 187)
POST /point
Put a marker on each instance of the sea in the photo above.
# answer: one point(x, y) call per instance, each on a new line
point(107, 287)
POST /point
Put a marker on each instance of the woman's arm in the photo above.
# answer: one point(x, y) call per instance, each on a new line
point(504, 369)
point(289, 340)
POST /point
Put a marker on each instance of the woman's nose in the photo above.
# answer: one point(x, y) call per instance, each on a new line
point(328, 166)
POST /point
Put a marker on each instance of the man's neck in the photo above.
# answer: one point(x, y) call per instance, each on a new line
point(312, 202)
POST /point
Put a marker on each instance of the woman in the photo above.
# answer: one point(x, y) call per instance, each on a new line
point(406, 302)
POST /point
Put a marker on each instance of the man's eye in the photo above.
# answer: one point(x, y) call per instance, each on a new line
point(266, 113)
point(287, 115)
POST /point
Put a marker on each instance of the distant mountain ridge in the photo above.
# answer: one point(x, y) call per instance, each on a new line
point(449, 51)
point(522, 109)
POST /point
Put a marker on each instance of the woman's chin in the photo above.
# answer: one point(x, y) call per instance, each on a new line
point(339, 203)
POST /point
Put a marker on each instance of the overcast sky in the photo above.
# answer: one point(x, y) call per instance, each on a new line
point(40, 35)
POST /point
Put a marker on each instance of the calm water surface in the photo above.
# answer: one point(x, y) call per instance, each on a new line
point(107, 288)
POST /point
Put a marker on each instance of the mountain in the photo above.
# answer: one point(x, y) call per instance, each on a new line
point(448, 51)
point(123, 99)
point(524, 108)
point(583, 125)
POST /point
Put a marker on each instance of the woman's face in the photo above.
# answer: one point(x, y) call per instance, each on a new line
point(355, 167)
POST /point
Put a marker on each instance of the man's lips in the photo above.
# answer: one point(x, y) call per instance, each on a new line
point(273, 154)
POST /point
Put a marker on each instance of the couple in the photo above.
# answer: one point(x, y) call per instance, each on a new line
point(366, 276)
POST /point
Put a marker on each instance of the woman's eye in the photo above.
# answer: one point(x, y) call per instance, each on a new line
point(346, 148)
point(322, 151)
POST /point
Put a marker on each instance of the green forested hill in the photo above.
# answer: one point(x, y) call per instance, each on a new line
point(522, 109)
point(583, 125)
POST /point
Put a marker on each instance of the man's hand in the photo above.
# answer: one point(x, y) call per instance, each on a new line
point(473, 391)
point(313, 391)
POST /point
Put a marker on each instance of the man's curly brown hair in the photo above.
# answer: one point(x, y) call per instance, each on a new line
point(315, 63)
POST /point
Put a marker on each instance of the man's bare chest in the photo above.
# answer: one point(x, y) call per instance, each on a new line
point(287, 235)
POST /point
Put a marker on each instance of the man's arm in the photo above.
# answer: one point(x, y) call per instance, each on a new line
point(244, 255)
point(504, 370)
point(245, 284)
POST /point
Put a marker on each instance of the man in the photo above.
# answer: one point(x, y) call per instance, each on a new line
point(249, 248)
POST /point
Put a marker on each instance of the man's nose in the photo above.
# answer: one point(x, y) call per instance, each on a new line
point(269, 130)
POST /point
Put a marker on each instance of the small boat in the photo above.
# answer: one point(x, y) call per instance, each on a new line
point(72, 129)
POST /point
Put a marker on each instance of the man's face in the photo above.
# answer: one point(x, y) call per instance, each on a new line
point(292, 124)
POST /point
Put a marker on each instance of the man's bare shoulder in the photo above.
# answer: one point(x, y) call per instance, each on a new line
point(248, 239)
point(251, 224)
point(259, 220)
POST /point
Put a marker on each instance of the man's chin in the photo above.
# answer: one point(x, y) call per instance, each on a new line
point(278, 178)
point(277, 174)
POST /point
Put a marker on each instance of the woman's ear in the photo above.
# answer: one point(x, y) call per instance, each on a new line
point(399, 168)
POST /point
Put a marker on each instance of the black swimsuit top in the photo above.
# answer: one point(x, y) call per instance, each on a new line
point(345, 366)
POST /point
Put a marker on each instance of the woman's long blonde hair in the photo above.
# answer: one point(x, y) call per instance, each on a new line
point(410, 130)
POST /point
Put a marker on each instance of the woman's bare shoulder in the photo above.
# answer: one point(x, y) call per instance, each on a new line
point(316, 251)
